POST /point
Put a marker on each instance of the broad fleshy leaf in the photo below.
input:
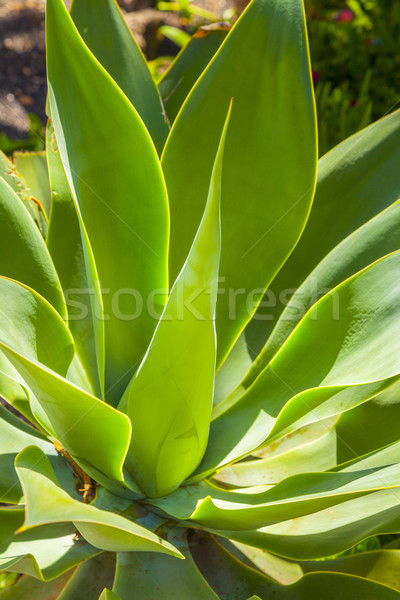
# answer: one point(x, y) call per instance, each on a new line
point(296, 496)
point(370, 426)
point(268, 181)
point(102, 529)
point(9, 173)
point(45, 552)
point(169, 399)
point(356, 181)
point(107, 35)
point(187, 67)
point(90, 578)
point(148, 576)
point(329, 531)
point(34, 589)
point(376, 238)
point(360, 360)
point(24, 255)
point(309, 449)
point(32, 166)
point(72, 255)
point(119, 189)
point(234, 580)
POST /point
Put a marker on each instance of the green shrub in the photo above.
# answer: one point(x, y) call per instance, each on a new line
point(201, 351)
point(356, 64)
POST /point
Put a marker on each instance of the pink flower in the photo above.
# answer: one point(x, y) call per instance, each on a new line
point(315, 76)
point(345, 16)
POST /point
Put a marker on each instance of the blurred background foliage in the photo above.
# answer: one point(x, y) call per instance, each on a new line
point(355, 57)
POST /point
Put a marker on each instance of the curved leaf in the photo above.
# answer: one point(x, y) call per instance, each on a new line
point(45, 552)
point(172, 383)
point(109, 595)
point(296, 496)
point(29, 325)
point(90, 578)
point(148, 576)
point(24, 255)
point(370, 426)
point(267, 183)
point(70, 250)
point(329, 531)
point(356, 180)
point(381, 566)
point(309, 449)
point(107, 35)
point(119, 189)
point(34, 589)
point(14, 436)
point(234, 581)
point(362, 350)
point(9, 173)
point(77, 420)
point(102, 529)
point(32, 166)
point(10, 520)
point(378, 237)
point(186, 68)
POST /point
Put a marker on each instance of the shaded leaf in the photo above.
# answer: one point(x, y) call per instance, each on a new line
point(24, 255)
point(70, 250)
point(147, 576)
point(260, 167)
point(32, 166)
point(186, 68)
point(122, 199)
point(103, 529)
point(356, 181)
point(175, 381)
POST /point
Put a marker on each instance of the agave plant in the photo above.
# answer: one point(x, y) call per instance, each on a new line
point(200, 336)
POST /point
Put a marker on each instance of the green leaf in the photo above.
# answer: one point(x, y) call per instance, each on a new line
point(234, 580)
point(327, 532)
point(362, 350)
point(72, 255)
point(76, 419)
point(32, 166)
point(169, 400)
point(9, 173)
point(34, 589)
point(109, 595)
point(38, 344)
point(24, 255)
point(147, 576)
point(30, 326)
point(107, 35)
point(191, 61)
point(267, 183)
point(356, 181)
point(116, 179)
point(229, 577)
point(376, 238)
point(382, 566)
point(14, 436)
point(309, 449)
point(370, 426)
point(10, 520)
point(90, 578)
point(45, 552)
point(46, 503)
point(332, 586)
point(296, 496)
point(14, 389)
